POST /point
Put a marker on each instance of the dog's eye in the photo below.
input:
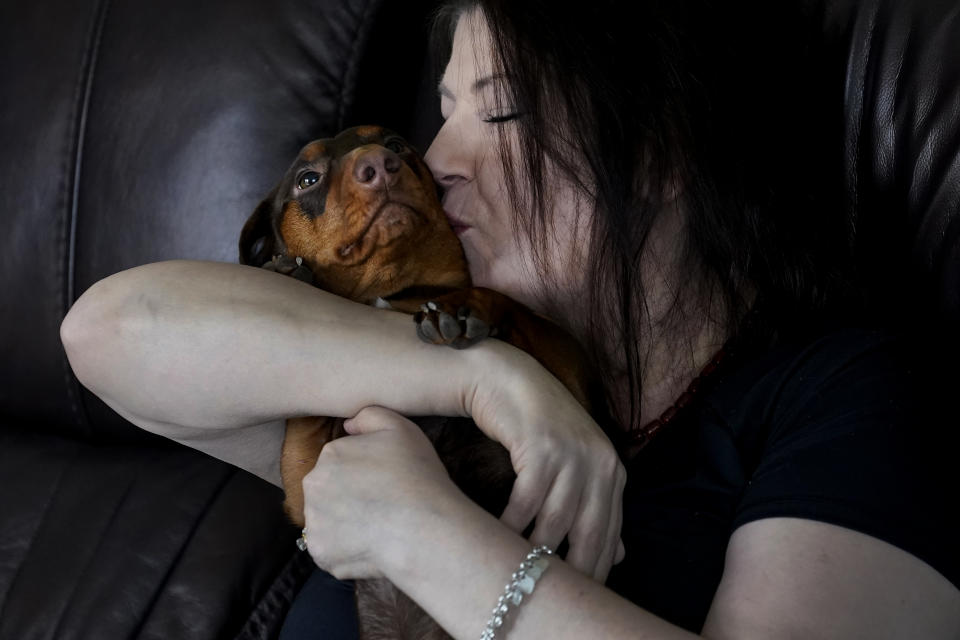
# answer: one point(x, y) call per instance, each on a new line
point(308, 179)
point(395, 145)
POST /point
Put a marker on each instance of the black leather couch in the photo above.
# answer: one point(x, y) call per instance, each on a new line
point(135, 132)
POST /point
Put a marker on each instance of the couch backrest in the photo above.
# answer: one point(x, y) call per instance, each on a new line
point(896, 64)
point(135, 132)
point(139, 132)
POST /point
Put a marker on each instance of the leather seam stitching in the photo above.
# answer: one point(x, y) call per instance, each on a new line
point(81, 102)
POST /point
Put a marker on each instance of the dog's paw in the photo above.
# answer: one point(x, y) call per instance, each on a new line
point(290, 266)
point(455, 326)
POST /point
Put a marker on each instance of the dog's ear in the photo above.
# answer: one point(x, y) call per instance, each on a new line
point(258, 240)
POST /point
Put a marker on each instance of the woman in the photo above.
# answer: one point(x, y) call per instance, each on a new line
point(772, 505)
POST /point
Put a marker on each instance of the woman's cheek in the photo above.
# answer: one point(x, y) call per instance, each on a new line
point(485, 262)
point(476, 262)
point(485, 255)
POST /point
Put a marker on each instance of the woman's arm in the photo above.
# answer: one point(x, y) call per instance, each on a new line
point(216, 355)
point(783, 577)
point(460, 565)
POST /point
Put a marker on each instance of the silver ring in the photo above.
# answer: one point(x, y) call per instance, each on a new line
point(302, 540)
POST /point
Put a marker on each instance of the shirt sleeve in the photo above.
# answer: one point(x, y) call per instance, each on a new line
point(860, 437)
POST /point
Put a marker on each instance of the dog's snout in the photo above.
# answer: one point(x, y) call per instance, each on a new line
point(377, 168)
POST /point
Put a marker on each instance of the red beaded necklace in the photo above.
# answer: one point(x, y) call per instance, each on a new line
point(639, 438)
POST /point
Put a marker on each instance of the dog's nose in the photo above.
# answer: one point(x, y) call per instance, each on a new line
point(377, 168)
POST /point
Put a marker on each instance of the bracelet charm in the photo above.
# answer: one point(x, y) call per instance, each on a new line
point(522, 582)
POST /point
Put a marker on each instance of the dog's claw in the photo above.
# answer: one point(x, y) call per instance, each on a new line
point(476, 329)
point(457, 327)
point(449, 327)
point(427, 332)
point(290, 267)
point(303, 274)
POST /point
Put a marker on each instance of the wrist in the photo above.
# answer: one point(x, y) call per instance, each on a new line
point(455, 564)
point(499, 390)
point(422, 526)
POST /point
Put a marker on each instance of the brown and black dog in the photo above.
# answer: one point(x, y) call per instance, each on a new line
point(358, 215)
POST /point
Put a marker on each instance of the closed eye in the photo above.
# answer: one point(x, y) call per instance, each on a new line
point(500, 119)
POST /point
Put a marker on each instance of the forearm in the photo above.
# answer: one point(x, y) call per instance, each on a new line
point(215, 345)
point(458, 566)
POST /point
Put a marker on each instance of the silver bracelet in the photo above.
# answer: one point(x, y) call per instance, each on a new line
point(521, 582)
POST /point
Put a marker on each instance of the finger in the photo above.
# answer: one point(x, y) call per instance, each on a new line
point(355, 571)
point(313, 535)
point(559, 511)
point(527, 496)
point(588, 532)
point(613, 544)
point(372, 419)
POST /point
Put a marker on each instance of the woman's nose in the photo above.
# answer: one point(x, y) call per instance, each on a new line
point(448, 157)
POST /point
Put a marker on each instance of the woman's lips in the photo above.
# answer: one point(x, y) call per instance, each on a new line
point(457, 226)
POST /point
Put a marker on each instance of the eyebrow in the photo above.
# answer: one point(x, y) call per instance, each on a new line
point(477, 87)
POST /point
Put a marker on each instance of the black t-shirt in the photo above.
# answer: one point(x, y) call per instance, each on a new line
point(842, 429)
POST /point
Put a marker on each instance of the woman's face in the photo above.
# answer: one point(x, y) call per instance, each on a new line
point(465, 161)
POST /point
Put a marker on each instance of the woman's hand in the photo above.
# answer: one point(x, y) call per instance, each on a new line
point(371, 492)
point(569, 477)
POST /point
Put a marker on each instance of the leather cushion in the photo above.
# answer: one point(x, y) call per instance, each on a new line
point(127, 541)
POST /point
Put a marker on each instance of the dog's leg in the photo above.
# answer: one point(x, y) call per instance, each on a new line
point(302, 443)
point(464, 317)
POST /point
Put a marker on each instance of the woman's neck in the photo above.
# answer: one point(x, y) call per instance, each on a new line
point(673, 361)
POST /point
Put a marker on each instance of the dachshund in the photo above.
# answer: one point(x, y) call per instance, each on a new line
point(359, 215)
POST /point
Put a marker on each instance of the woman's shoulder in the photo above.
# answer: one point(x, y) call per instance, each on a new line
point(848, 366)
point(839, 383)
point(853, 427)
point(825, 427)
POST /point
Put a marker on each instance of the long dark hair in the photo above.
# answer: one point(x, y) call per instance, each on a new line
point(629, 99)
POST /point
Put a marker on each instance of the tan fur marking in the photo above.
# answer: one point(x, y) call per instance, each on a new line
point(368, 131)
point(314, 151)
point(302, 235)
